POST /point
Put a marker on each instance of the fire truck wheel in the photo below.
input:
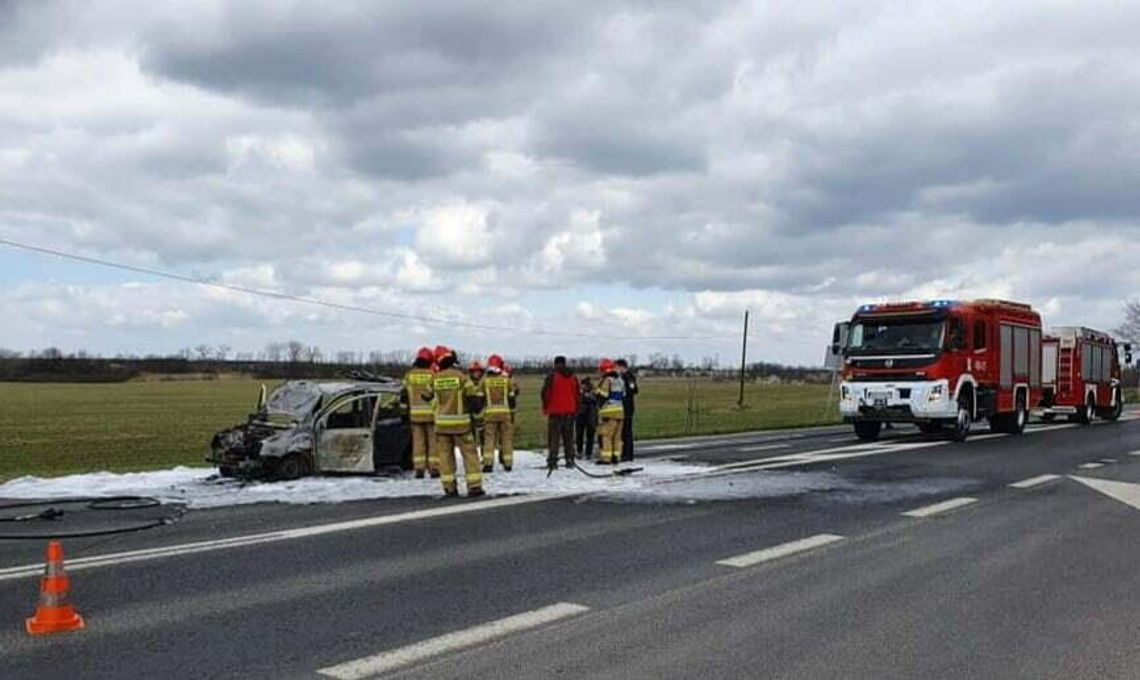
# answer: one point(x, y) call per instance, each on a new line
point(1017, 421)
point(965, 420)
point(1085, 415)
point(1114, 412)
point(868, 430)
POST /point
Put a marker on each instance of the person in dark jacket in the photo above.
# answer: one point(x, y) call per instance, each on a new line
point(630, 380)
point(560, 394)
point(586, 427)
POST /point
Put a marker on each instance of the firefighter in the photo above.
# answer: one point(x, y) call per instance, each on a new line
point(611, 391)
point(500, 393)
point(450, 391)
point(478, 403)
point(417, 382)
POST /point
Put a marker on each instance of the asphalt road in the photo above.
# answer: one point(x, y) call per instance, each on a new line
point(794, 555)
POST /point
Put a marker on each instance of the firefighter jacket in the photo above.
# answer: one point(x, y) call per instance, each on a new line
point(417, 383)
point(611, 389)
point(499, 391)
point(450, 390)
point(477, 402)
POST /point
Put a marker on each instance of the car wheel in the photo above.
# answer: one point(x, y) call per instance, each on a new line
point(868, 430)
point(293, 466)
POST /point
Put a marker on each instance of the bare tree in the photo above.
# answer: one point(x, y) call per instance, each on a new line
point(1129, 331)
point(295, 350)
point(274, 351)
point(222, 352)
point(203, 352)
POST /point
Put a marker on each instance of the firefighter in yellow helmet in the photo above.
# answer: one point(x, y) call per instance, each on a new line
point(450, 392)
point(500, 393)
point(417, 382)
point(611, 391)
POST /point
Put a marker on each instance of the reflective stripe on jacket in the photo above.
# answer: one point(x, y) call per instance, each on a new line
point(611, 389)
point(498, 390)
point(417, 383)
point(450, 388)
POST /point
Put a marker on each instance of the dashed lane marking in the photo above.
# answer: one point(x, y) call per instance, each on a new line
point(939, 508)
point(385, 662)
point(782, 550)
point(1135, 453)
point(1035, 481)
point(1090, 466)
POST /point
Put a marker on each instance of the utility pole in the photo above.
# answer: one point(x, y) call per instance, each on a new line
point(743, 360)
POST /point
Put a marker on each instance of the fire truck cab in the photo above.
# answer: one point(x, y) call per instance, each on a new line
point(1081, 375)
point(941, 364)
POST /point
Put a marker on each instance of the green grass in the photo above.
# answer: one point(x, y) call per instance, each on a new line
point(53, 429)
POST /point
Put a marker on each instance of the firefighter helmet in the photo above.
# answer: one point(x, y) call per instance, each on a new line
point(606, 366)
point(495, 361)
point(475, 366)
point(425, 354)
point(442, 351)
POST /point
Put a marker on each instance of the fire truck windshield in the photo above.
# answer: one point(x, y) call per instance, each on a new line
point(873, 336)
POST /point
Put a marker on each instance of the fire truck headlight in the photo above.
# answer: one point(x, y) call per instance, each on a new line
point(935, 393)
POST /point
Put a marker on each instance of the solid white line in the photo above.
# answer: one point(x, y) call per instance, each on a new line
point(765, 447)
point(778, 551)
point(1035, 481)
point(405, 656)
point(983, 437)
point(12, 573)
point(944, 506)
point(1090, 466)
point(1050, 428)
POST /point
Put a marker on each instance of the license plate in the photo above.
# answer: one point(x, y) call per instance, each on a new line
point(879, 399)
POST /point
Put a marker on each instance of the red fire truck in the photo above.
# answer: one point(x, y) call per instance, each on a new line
point(942, 364)
point(1080, 370)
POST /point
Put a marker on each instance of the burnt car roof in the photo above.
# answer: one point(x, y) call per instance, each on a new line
point(298, 397)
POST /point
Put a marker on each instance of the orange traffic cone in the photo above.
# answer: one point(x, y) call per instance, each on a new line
point(54, 614)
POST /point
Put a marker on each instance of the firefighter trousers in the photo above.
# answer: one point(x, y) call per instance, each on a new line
point(499, 435)
point(445, 445)
point(423, 447)
point(610, 433)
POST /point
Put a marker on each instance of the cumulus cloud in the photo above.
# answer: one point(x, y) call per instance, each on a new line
point(666, 165)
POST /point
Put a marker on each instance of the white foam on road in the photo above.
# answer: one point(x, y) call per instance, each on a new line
point(387, 662)
point(939, 508)
point(782, 550)
point(199, 488)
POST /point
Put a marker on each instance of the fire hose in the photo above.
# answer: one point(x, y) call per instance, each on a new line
point(58, 510)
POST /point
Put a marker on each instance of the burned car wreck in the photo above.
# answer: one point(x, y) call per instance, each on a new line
point(308, 427)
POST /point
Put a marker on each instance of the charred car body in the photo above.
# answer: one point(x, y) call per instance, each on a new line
point(306, 427)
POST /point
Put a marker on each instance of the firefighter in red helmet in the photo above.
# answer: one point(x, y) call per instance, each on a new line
point(500, 393)
point(477, 403)
point(611, 391)
point(417, 383)
point(450, 392)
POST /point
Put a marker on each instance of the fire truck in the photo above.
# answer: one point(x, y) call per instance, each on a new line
point(1081, 375)
point(943, 365)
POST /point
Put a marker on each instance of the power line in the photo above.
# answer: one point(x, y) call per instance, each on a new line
point(403, 316)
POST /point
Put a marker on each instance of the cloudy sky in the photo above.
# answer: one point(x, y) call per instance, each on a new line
point(615, 169)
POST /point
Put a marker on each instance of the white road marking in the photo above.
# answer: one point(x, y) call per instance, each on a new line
point(1050, 428)
point(983, 437)
point(1035, 481)
point(12, 573)
point(1090, 466)
point(1109, 461)
point(778, 551)
point(1135, 453)
point(405, 656)
point(1126, 493)
point(944, 506)
point(669, 447)
point(765, 447)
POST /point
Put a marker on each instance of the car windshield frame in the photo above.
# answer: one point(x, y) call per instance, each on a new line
point(904, 335)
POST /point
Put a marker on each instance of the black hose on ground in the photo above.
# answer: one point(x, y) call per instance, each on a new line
point(54, 511)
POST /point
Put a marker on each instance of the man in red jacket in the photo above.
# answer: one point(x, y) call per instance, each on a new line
point(560, 394)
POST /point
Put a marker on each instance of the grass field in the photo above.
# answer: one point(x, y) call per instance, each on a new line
point(53, 429)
